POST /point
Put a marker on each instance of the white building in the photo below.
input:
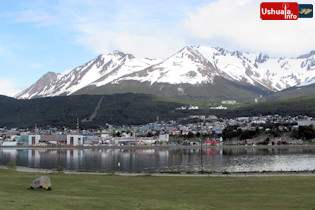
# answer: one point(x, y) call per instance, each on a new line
point(164, 137)
point(74, 140)
point(33, 139)
point(219, 107)
point(191, 107)
point(306, 122)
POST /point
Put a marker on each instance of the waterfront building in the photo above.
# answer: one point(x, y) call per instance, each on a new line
point(74, 140)
point(33, 139)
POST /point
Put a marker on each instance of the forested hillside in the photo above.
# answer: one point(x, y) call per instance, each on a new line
point(125, 109)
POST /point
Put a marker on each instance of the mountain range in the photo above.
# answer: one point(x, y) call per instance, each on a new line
point(192, 73)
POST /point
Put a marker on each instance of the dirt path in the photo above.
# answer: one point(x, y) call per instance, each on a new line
point(94, 114)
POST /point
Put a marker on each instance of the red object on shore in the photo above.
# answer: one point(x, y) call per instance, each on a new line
point(211, 142)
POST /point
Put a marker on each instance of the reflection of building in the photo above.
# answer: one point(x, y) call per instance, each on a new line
point(33, 159)
point(73, 158)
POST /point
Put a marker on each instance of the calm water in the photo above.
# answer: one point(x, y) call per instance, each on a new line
point(220, 160)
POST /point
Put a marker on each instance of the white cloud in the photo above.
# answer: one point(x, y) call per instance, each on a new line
point(9, 87)
point(94, 38)
point(159, 29)
point(239, 22)
point(131, 29)
point(155, 45)
point(40, 18)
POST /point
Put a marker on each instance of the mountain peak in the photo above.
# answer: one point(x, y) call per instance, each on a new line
point(117, 52)
point(262, 58)
point(47, 79)
point(121, 54)
point(307, 55)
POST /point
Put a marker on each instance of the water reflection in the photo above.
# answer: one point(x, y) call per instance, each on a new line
point(210, 159)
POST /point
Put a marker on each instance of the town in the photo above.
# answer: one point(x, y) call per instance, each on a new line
point(193, 130)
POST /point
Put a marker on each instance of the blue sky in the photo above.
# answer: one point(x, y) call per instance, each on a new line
point(37, 36)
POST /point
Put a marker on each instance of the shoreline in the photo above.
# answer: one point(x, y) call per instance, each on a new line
point(164, 174)
point(163, 147)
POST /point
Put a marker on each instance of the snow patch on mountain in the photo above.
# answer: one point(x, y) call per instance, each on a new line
point(274, 73)
point(192, 65)
point(186, 66)
point(307, 83)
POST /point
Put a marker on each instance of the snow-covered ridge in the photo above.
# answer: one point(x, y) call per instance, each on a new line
point(192, 65)
point(307, 83)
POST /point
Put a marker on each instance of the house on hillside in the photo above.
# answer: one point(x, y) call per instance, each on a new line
point(175, 131)
point(185, 132)
point(229, 102)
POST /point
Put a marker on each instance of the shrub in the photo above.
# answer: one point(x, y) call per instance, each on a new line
point(11, 165)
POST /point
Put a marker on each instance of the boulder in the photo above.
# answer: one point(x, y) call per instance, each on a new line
point(41, 182)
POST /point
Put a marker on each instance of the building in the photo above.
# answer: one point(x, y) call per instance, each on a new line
point(229, 102)
point(164, 138)
point(306, 122)
point(175, 131)
point(48, 139)
point(53, 139)
point(33, 139)
point(74, 140)
point(219, 107)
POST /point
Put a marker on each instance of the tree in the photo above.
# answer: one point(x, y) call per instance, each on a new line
point(118, 134)
point(306, 132)
point(190, 135)
point(198, 134)
point(294, 134)
point(228, 133)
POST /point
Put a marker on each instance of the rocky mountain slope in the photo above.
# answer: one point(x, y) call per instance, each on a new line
point(193, 72)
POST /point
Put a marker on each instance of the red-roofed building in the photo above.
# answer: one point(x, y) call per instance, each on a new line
point(210, 142)
point(175, 132)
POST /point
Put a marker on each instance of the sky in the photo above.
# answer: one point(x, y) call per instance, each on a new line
point(38, 36)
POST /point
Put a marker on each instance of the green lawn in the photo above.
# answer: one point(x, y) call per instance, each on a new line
point(148, 192)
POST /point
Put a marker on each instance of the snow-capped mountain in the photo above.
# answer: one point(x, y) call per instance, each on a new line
point(101, 70)
point(307, 83)
point(212, 69)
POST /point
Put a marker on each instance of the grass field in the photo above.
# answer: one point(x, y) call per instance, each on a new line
point(148, 192)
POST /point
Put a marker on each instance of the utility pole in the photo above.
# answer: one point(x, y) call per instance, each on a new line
point(201, 163)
